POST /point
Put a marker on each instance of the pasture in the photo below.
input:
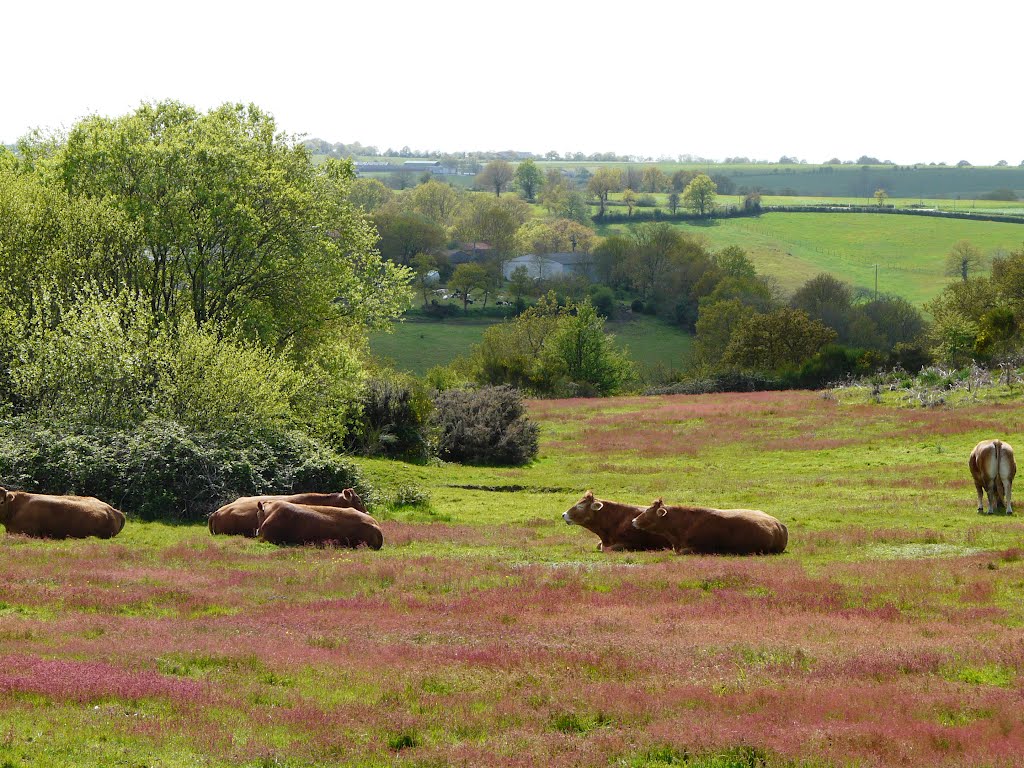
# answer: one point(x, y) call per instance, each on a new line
point(417, 345)
point(910, 250)
point(487, 632)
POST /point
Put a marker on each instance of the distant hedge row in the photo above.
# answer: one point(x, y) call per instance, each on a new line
point(163, 471)
point(732, 212)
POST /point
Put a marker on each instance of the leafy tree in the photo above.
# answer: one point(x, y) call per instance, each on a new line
point(422, 265)
point(467, 278)
point(493, 221)
point(602, 184)
point(699, 195)
point(587, 354)
point(734, 262)
point(897, 320)
point(520, 282)
point(828, 299)
point(438, 202)
point(629, 198)
point(963, 260)
point(610, 258)
point(716, 322)
point(229, 221)
point(880, 197)
point(673, 202)
point(781, 339)
point(544, 236)
point(655, 248)
point(655, 180)
point(528, 178)
point(369, 194)
point(681, 178)
point(496, 175)
point(752, 202)
point(403, 234)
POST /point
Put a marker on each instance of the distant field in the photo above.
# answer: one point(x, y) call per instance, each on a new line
point(418, 345)
point(910, 250)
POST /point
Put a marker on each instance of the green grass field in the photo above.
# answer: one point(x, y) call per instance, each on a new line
point(910, 251)
point(416, 345)
point(488, 632)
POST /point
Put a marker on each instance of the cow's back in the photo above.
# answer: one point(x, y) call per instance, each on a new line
point(62, 517)
point(240, 518)
point(737, 531)
point(290, 523)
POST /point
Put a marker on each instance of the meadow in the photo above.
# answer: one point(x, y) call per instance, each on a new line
point(487, 632)
point(910, 251)
point(416, 345)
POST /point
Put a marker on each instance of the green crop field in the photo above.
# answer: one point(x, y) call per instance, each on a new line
point(417, 345)
point(488, 632)
point(910, 250)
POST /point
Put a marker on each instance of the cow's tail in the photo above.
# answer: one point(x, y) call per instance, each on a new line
point(209, 523)
point(998, 479)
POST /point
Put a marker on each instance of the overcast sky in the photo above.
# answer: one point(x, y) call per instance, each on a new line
point(901, 80)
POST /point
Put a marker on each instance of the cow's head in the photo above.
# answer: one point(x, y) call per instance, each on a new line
point(6, 504)
point(583, 511)
point(651, 517)
point(352, 499)
point(261, 514)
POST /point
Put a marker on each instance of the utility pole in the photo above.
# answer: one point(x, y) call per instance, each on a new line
point(876, 281)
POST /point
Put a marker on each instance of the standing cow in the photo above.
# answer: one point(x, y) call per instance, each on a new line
point(992, 466)
point(58, 517)
point(704, 530)
point(239, 517)
point(612, 522)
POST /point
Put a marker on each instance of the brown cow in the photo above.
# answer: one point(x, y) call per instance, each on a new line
point(704, 530)
point(239, 517)
point(58, 517)
point(282, 522)
point(611, 521)
point(992, 466)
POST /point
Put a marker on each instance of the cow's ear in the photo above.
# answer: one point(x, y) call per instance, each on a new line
point(597, 506)
point(259, 506)
point(8, 497)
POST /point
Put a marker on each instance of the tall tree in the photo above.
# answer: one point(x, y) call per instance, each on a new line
point(467, 278)
point(779, 339)
point(369, 194)
point(496, 175)
point(423, 264)
point(528, 178)
point(234, 223)
point(602, 184)
point(439, 202)
point(699, 195)
point(963, 260)
point(404, 233)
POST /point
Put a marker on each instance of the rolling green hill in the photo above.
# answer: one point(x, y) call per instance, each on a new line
point(910, 251)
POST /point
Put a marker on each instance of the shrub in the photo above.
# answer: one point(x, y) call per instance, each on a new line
point(162, 470)
point(487, 426)
point(394, 419)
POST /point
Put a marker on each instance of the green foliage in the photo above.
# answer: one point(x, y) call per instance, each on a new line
point(395, 413)
point(487, 426)
point(552, 350)
point(781, 339)
point(528, 178)
point(699, 195)
point(163, 470)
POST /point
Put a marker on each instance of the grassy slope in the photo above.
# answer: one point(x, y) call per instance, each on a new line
point(418, 345)
point(489, 632)
point(910, 250)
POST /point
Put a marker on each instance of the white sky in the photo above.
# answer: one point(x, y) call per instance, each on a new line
point(901, 80)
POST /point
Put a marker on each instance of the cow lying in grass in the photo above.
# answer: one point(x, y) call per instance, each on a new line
point(239, 517)
point(282, 522)
point(58, 517)
point(612, 522)
point(705, 531)
point(992, 466)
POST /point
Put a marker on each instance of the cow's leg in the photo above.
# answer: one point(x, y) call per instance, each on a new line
point(615, 548)
point(991, 491)
point(1007, 490)
point(981, 496)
